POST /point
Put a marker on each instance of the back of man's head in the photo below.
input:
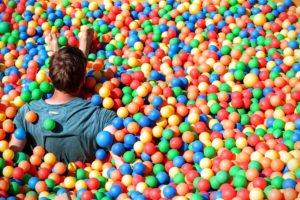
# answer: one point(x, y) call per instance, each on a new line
point(67, 69)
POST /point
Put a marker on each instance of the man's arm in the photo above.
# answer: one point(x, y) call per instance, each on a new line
point(16, 145)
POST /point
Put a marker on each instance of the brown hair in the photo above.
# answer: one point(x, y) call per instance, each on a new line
point(67, 69)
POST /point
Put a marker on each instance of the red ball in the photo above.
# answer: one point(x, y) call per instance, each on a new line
point(18, 173)
point(149, 148)
point(175, 143)
point(155, 193)
point(243, 194)
point(126, 79)
point(203, 185)
point(87, 195)
point(93, 184)
point(43, 173)
point(13, 78)
point(228, 194)
point(191, 175)
point(200, 127)
point(260, 182)
point(256, 120)
point(253, 140)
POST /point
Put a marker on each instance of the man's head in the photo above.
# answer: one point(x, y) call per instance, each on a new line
point(67, 69)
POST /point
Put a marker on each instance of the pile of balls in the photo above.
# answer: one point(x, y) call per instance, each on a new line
point(207, 95)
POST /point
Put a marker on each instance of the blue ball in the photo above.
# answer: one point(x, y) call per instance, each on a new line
point(32, 182)
point(157, 101)
point(101, 154)
point(139, 168)
point(162, 177)
point(80, 192)
point(61, 191)
point(197, 146)
point(178, 161)
point(169, 191)
point(118, 149)
point(104, 139)
point(20, 134)
point(144, 121)
point(297, 124)
point(115, 191)
point(118, 123)
point(154, 115)
point(96, 100)
point(289, 183)
point(125, 169)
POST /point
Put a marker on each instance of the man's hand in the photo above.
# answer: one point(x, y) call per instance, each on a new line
point(85, 40)
point(52, 42)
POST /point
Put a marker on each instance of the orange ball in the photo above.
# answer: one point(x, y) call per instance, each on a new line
point(289, 194)
point(60, 168)
point(10, 112)
point(275, 194)
point(31, 116)
point(8, 126)
point(182, 189)
point(251, 174)
point(41, 186)
point(277, 165)
point(35, 160)
point(39, 151)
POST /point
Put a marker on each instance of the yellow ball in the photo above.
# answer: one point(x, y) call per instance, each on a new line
point(194, 8)
point(272, 154)
point(142, 91)
point(289, 61)
point(193, 117)
point(278, 114)
point(293, 164)
point(256, 194)
point(241, 143)
point(173, 171)
point(94, 174)
point(138, 147)
point(256, 156)
point(8, 154)
point(3, 145)
point(127, 180)
point(8, 171)
point(207, 173)
point(69, 182)
point(72, 167)
point(174, 120)
point(40, 77)
point(205, 163)
point(141, 187)
point(93, 6)
point(166, 111)
point(18, 102)
point(97, 165)
point(104, 92)
point(157, 131)
point(138, 46)
point(80, 184)
point(79, 15)
point(50, 158)
point(250, 80)
point(259, 19)
point(122, 112)
point(108, 103)
point(133, 62)
point(218, 143)
point(145, 137)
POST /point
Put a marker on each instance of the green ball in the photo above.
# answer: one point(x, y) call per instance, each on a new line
point(65, 3)
point(4, 27)
point(25, 96)
point(104, 28)
point(257, 93)
point(229, 143)
point(239, 181)
point(164, 146)
point(50, 183)
point(253, 63)
point(81, 174)
point(151, 181)
point(297, 173)
point(2, 163)
point(214, 108)
point(210, 152)
point(20, 156)
point(225, 50)
point(129, 156)
point(172, 154)
point(277, 182)
point(245, 119)
point(33, 85)
point(254, 164)
point(179, 178)
point(14, 188)
point(26, 178)
point(239, 75)
point(196, 197)
point(126, 90)
point(117, 60)
point(222, 176)
point(234, 170)
point(158, 168)
point(214, 183)
point(168, 134)
point(62, 40)
point(45, 87)
point(278, 124)
point(184, 126)
point(126, 99)
point(36, 94)
point(102, 181)
point(49, 124)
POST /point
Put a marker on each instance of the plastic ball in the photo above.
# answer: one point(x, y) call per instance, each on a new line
point(49, 124)
point(104, 139)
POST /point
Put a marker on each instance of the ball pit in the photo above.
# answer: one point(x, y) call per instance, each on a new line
point(207, 96)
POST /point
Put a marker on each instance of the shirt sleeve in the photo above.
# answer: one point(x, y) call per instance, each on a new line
point(105, 118)
point(19, 119)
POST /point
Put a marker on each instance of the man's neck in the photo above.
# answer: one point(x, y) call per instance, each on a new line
point(60, 97)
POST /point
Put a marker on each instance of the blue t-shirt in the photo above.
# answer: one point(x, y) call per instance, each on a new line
point(77, 124)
